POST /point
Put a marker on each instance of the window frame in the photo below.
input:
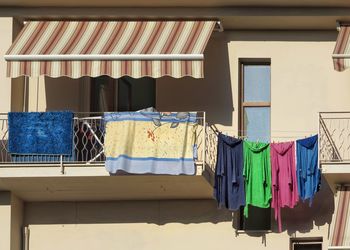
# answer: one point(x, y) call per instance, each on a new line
point(304, 241)
point(241, 131)
point(242, 104)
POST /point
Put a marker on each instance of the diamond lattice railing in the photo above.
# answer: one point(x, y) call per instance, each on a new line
point(334, 133)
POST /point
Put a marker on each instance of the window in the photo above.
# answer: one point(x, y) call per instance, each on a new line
point(255, 101)
point(255, 105)
point(123, 94)
point(307, 243)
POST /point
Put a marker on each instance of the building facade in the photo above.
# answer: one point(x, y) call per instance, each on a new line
point(268, 75)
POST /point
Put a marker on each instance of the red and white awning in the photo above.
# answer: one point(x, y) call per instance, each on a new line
point(113, 48)
point(340, 231)
point(341, 53)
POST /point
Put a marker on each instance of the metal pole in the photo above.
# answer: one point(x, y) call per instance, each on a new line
point(25, 107)
point(61, 164)
point(26, 238)
point(37, 94)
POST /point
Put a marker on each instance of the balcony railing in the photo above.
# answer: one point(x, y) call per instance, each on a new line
point(334, 137)
point(88, 144)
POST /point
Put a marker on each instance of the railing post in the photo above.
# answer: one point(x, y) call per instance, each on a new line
point(61, 164)
point(319, 141)
point(204, 140)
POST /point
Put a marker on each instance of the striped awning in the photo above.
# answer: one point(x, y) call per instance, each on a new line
point(340, 231)
point(113, 48)
point(341, 53)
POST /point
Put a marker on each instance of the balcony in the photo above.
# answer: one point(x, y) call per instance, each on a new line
point(334, 147)
point(82, 176)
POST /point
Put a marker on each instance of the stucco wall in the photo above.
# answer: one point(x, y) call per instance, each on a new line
point(11, 218)
point(6, 41)
point(49, 94)
point(193, 224)
point(303, 81)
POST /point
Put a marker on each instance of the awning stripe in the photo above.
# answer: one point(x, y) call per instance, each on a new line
point(341, 228)
point(114, 48)
point(115, 69)
point(342, 49)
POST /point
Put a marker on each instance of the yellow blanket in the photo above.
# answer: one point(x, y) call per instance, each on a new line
point(148, 142)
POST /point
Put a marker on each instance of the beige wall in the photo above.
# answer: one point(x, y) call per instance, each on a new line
point(303, 81)
point(6, 41)
point(11, 218)
point(192, 224)
point(5, 218)
point(49, 94)
point(18, 88)
point(16, 223)
point(12, 90)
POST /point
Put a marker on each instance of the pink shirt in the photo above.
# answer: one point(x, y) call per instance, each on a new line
point(284, 182)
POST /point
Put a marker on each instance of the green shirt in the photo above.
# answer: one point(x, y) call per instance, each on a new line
point(257, 173)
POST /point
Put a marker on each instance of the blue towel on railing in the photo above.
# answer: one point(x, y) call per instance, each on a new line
point(40, 133)
point(42, 158)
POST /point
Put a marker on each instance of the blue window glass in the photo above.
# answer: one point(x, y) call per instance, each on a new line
point(256, 80)
point(256, 89)
point(257, 123)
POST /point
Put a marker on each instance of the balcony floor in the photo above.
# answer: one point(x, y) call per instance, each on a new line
point(336, 173)
point(93, 183)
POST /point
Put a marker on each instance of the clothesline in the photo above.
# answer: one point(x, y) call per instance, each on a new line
point(263, 174)
point(282, 131)
point(303, 135)
point(213, 126)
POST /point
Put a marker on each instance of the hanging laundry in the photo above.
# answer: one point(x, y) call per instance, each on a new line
point(41, 133)
point(284, 181)
point(257, 173)
point(229, 181)
point(308, 173)
point(150, 142)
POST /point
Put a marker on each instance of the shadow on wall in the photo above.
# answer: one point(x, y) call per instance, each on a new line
point(304, 218)
point(63, 93)
point(155, 212)
point(289, 36)
point(212, 94)
point(300, 219)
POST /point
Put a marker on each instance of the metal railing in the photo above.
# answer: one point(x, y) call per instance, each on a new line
point(334, 137)
point(88, 143)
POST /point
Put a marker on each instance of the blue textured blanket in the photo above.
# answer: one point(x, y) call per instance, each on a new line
point(48, 133)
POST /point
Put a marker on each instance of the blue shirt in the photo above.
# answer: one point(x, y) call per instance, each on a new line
point(229, 182)
point(308, 173)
